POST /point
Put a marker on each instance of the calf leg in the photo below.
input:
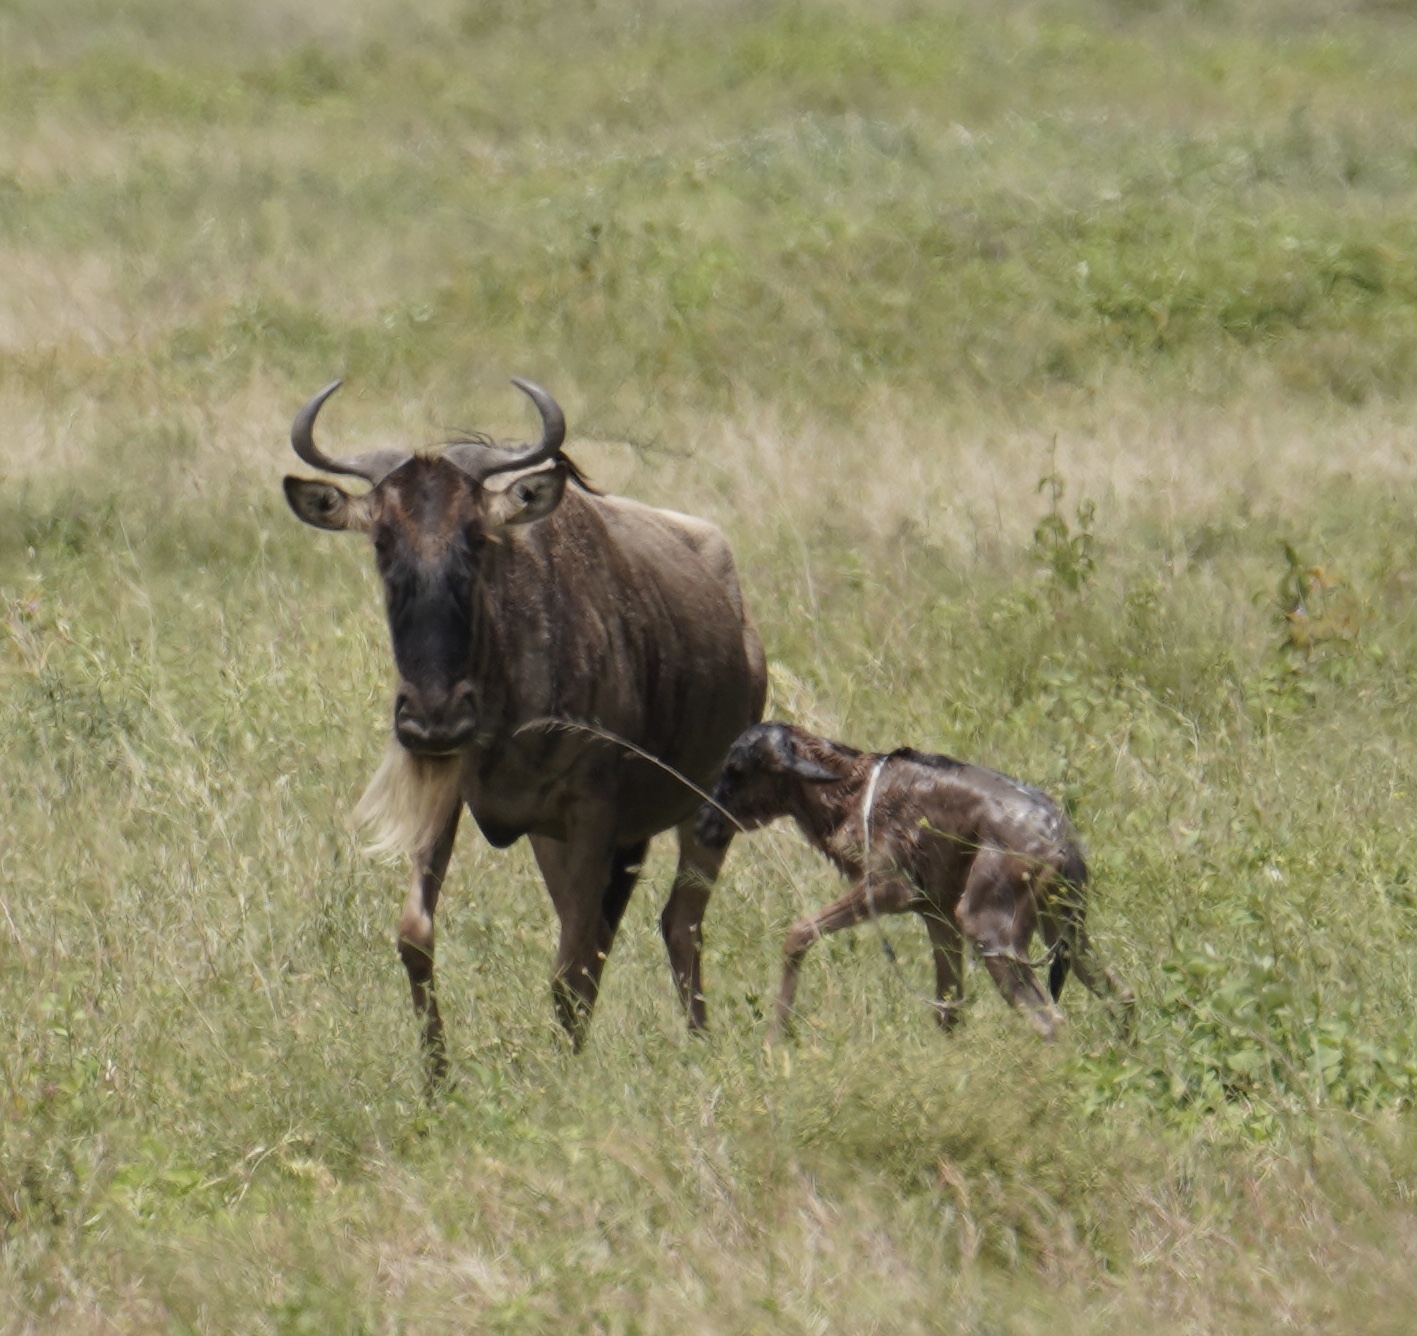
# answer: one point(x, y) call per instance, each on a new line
point(683, 919)
point(1056, 938)
point(888, 895)
point(1098, 979)
point(1016, 980)
point(996, 913)
point(416, 945)
point(948, 948)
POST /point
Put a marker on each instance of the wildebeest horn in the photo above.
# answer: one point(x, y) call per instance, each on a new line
point(481, 460)
point(553, 420)
point(374, 466)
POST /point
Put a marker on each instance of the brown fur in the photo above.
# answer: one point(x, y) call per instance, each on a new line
point(518, 608)
point(981, 857)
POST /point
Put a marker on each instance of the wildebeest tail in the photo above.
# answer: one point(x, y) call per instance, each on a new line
point(1072, 887)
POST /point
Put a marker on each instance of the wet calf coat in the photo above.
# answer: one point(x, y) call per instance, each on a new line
point(980, 857)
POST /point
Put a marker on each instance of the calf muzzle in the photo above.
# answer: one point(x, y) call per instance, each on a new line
point(712, 828)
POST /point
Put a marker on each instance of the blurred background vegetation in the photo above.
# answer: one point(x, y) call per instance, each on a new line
point(1048, 363)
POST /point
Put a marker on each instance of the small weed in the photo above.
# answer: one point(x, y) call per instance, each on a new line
point(1319, 612)
point(1067, 552)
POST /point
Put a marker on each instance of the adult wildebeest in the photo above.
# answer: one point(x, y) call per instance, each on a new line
point(542, 600)
point(981, 857)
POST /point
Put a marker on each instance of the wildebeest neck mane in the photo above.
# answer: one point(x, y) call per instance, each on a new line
point(935, 760)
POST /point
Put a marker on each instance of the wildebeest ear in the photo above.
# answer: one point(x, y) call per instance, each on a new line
point(529, 497)
point(810, 771)
point(783, 751)
point(324, 505)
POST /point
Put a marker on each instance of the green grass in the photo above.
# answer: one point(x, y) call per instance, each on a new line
point(850, 278)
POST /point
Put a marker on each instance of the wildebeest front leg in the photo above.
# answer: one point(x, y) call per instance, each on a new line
point(683, 918)
point(416, 944)
point(889, 895)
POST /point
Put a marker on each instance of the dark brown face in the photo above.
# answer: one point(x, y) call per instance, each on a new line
point(762, 774)
point(429, 534)
point(431, 526)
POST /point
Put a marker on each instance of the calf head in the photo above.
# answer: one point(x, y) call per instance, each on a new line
point(430, 519)
point(762, 778)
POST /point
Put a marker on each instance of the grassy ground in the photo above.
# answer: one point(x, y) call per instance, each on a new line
point(854, 279)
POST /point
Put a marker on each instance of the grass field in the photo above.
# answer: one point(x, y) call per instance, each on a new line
point(1050, 367)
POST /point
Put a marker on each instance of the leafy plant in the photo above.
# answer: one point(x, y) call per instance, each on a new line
point(1318, 610)
point(1068, 552)
point(1240, 1034)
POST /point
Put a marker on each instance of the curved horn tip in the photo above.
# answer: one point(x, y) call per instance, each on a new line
point(305, 418)
point(327, 391)
point(553, 420)
point(302, 430)
point(373, 467)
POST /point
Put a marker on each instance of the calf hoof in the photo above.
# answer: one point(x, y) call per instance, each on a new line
point(1047, 1023)
point(948, 1015)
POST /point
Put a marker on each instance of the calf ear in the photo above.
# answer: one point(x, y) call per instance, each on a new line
point(529, 497)
point(811, 771)
point(783, 750)
point(325, 506)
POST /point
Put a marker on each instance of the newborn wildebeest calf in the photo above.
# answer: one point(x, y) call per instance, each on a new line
point(979, 856)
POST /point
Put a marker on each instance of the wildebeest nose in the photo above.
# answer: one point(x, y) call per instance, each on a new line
point(429, 723)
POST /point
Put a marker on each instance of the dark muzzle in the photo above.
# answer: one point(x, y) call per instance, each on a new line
point(434, 724)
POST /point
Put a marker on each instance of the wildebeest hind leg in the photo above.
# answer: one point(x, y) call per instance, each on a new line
point(948, 948)
point(1059, 943)
point(624, 873)
point(1099, 980)
point(996, 914)
point(578, 875)
point(682, 920)
point(416, 945)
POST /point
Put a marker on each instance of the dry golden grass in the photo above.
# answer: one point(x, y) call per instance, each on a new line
point(851, 279)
